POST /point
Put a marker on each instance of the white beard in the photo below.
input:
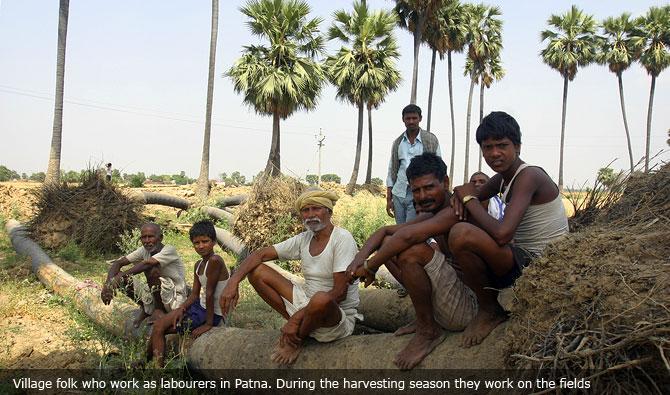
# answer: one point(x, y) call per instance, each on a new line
point(313, 224)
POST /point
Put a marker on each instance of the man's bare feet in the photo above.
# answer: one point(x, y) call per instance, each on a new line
point(140, 317)
point(286, 354)
point(406, 330)
point(418, 348)
point(480, 326)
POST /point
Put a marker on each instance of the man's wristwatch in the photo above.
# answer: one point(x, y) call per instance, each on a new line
point(367, 269)
point(467, 198)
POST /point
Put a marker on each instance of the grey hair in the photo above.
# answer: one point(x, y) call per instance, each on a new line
point(157, 227)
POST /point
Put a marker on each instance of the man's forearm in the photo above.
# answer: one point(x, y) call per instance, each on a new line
point(113, 270)
point(373, 243)
point(138, 268)
point(393, 246)
point(247, 266)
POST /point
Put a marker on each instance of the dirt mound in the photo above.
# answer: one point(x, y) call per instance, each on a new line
point(93, 214)
point(269, 216)
point(16, 201)
point(597, 304)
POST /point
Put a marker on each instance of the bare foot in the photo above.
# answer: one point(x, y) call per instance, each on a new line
point(418, 348)
point(480, 326)
point(406, 330)
point(140, 317)
point(285, 355)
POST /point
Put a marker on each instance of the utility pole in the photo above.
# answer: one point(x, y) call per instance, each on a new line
point(319, 143)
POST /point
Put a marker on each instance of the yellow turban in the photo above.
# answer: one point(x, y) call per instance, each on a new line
point(317, 197)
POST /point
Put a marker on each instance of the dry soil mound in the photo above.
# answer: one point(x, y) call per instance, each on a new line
point(597, 304)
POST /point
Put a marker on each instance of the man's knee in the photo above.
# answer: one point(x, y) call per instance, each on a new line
point(153, 274)
point(320, 303)
point(256, 275)
point(461, 237)
point(418, 254)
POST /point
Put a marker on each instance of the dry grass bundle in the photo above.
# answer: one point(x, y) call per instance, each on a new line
point(93, 214)
point(597, 304)
point(269, 216)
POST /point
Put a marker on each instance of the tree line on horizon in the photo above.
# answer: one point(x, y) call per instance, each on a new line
point(286, 73)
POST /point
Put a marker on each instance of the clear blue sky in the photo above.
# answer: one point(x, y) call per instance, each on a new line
point(136, 75)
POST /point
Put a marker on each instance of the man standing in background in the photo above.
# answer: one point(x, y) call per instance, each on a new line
point(414, 141)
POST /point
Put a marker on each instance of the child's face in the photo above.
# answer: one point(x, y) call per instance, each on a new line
point(203, 245)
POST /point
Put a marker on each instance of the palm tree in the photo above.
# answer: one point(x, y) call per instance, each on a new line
point(363, 73)
point(452, 24)
point(620, 48)
point(202, 189)
point(573, 43)
point(282, 77)
point(53, 169)
point(491, 72)
point(655, 30)
point(413, 15)
point(484, 36)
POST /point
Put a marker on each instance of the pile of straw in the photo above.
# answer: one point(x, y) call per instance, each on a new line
point(93, 214)
point(269, 216)
point(597, 304)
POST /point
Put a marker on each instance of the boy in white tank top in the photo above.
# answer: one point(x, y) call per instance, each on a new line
point(201, 311)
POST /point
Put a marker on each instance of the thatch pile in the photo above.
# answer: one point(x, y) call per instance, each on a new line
point(269, 216)
point(93, 214)
point(597, 304)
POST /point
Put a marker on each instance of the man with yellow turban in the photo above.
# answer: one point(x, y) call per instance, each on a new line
point(324, 307)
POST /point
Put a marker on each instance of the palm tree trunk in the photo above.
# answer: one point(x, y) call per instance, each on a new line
point(368, 173)
point(625, 121)
point(202, 189)
point(481, 116)
point(417, 43)
point(466, 176)
point(651, 105)
point(273, 167)
point(357, 160)
point(453, 121)
point(560, 161)
point(53, 169)
point(430, 89)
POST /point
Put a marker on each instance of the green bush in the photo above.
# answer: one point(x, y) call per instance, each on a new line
point(71, 252)
point(361, 215)
point(7, 174)
point(137, 180)
point(39, 176)
point(129, 241)
point(331, 178)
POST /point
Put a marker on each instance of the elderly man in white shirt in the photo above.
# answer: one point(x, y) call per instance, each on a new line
point(325, 306)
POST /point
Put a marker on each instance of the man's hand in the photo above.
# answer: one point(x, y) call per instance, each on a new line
point(364, 275)
point(353, 268)
point(229, 297)
point(106, 294)
point(389, 208)
point(357, 270)
point(457, 199)
point(289, 334)
point(200, 330)
point(178, 317)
